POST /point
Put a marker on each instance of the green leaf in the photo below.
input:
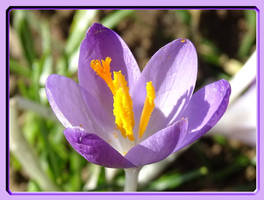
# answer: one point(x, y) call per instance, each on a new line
point(113, 19)
point(14, 163)
point(81, 21)
point(250, 36)
point(21, 26)
point(46, 69)
point(18, 69)
point(36, 72)
point(23, 89)
point(30, 127)
point(75, 167)
point(239, 163)
point(62, 66)
point(220, 139)
point(102, 178)
point(45, 38)
point(173, 180)
point(209, 52)
point(184, 16)
point(33, 186)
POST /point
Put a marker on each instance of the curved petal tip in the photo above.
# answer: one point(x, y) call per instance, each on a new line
point(206, 108)
point(96, 28)
point(94, 149)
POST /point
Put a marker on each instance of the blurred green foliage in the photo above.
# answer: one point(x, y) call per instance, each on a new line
point(62, 164)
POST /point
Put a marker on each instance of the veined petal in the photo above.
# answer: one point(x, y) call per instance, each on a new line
point(159, 145)
point(173, 71)
point(205, 109)
point(94, 149)
point(74, 106)
point(99, 43)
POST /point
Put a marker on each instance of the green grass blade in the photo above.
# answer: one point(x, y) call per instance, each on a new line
point(22, 27)
point(112, 20)
point(18, 69)
point(81, 21)
point(173, 180)
point(250, 37)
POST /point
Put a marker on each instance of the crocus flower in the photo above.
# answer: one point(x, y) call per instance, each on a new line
point(120, 117)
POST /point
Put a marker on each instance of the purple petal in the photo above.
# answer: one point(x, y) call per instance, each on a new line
point(95, 150)
point(205, 109)
point(158, 146)
point(73, 106)
point(99, 43)
point(173, 71)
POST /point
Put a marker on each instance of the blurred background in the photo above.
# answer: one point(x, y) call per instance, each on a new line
point(42, 42)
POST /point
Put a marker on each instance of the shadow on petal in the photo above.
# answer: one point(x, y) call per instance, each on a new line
point(158, 146)
point(206, 107)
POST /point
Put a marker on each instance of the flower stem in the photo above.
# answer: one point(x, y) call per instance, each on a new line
point(131, 179)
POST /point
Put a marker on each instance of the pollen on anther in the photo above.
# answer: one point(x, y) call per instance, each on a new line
point(183, 40)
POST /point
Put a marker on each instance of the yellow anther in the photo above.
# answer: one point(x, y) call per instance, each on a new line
point(102, 69)
point(123, 106)
point(147, 109)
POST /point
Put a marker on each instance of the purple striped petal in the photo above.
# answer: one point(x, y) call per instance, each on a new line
point(94, 149)
point(99, 43)
point(173, 71)
point(74, 106)
point(206, 107)
point(158, 146)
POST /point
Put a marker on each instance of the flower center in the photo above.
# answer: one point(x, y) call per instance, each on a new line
point(123, 105)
